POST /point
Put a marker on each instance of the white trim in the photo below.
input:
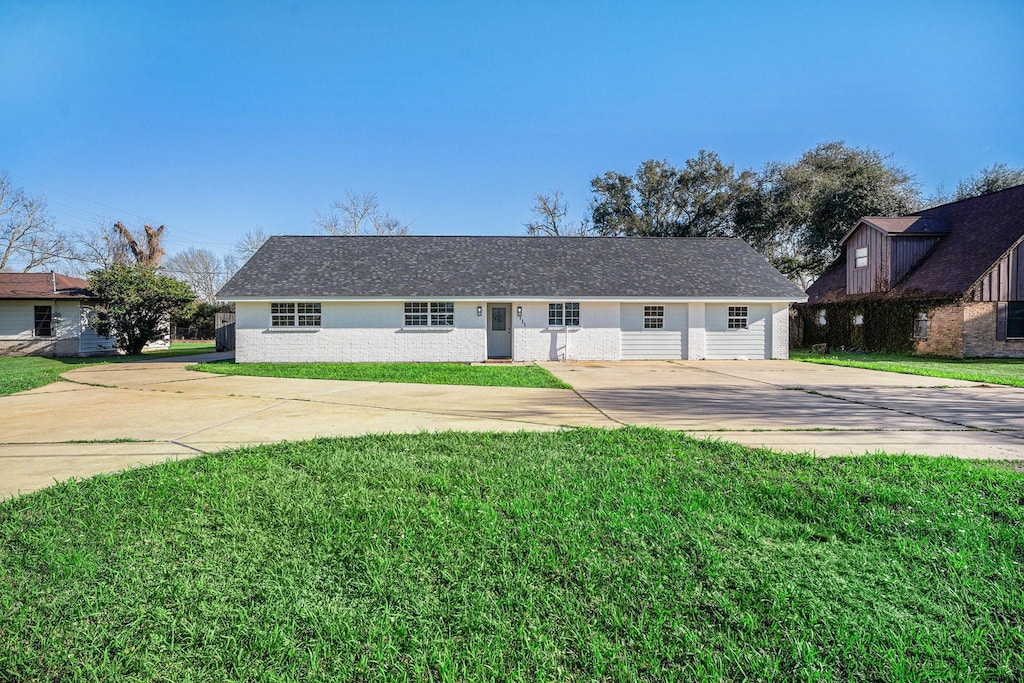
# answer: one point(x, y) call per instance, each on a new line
point(512, 300)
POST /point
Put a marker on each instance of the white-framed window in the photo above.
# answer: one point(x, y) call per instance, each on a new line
point(654, 317)
point(737, 318)
point(565, 314)
point(295, 315)
point(860, 257)
point(429, 314)
point(822, 317)
point(921, 325)
point(858, 319)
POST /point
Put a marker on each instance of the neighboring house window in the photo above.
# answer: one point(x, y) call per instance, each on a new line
point(737, 317)
point(295, 315)
point(1015, 320)
point(654, 317)
point(822, 317)
point(43, 321)
point(860, 257)
point(567, 314)
point(429, 314)
point(921, 325)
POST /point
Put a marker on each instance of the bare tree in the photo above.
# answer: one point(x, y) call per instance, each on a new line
point(28, 237)
point(548, 218)
point(100, 248)
point(359, 214)
point(250, 243)
point(150, 252)
point(201, 269)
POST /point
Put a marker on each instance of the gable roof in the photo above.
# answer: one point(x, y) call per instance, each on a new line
point(976, 233)
point(43, 286)
point(480, 267)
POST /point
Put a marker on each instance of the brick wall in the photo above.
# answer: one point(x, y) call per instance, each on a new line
point(980, 333)
point(597, 338)
point(945, 332)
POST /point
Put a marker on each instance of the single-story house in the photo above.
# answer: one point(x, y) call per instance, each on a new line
point(469, 299)
point(48, 314)
point(948, 281)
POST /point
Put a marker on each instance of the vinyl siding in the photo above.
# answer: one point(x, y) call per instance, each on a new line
point(724, 344)
point(667, 343)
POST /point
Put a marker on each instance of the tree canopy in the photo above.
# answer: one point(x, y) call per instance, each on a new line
point(136, 304)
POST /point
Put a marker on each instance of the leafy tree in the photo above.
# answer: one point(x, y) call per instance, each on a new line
point(664, 201)
point(796, 214)
point(359, 214)
point(992, 179)
point(136, 304)
point(548, 220)
point(28, 236)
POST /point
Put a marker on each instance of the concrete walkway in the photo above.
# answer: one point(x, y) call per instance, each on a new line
point(107, 417)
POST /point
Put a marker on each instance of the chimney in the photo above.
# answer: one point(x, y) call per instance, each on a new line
point(53, 279)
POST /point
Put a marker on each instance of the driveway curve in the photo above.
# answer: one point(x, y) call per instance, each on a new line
point(104, 418)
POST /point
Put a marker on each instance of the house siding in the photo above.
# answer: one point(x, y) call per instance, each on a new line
point(17, 323)
point(906, 253)
point(1005, 280)
point(667, 343)
point(875, 275)
point(724, 344)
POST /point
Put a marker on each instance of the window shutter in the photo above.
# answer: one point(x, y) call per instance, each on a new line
point(1001, 320)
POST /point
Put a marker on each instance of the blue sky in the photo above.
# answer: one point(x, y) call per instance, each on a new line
point(218, 117)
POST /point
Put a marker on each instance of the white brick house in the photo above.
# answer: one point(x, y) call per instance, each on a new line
point(467, 299)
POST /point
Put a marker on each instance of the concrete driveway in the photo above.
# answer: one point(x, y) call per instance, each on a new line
point(107, 417)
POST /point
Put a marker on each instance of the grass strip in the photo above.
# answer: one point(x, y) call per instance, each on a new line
point(532, 376)
point(1008, 371)
point(632, 554)
point(21, 373)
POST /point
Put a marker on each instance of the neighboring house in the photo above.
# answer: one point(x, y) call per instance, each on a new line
point(47, 314)
point(947, 280)
point(467, 299)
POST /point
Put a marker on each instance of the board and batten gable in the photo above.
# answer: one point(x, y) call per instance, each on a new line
point(365, 288)
point(873, 276)
point(1005, 280)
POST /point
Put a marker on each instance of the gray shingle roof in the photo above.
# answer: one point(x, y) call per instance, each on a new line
point(428, 266)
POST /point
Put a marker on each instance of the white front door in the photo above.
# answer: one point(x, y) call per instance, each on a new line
point(499, 331)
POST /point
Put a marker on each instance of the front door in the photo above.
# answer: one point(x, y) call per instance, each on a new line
point(499, 331)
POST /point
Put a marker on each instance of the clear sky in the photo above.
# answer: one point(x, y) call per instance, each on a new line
point(218, 117)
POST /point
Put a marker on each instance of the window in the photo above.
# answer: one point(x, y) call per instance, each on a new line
point(921, 325)
point(429, 314)
point(822, 317)
point(737, 317)
point(567, 314)
point(654, 317)
point(43, 321)
point(295, 315)
point(858, 319)
point(1015, 320)
point(860, 257)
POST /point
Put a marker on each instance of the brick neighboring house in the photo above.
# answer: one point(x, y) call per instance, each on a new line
point(947, 281)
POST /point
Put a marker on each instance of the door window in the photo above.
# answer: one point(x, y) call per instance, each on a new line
point(498, 315)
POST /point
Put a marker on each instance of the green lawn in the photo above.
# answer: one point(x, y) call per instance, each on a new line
point(414, 373)
point(22, 373)
point(990, 370)
point(632, 554)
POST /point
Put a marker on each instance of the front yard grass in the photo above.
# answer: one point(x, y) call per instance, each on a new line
point(990, 370)
point(21, 373)
point(580, 555)
point(532, 376)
